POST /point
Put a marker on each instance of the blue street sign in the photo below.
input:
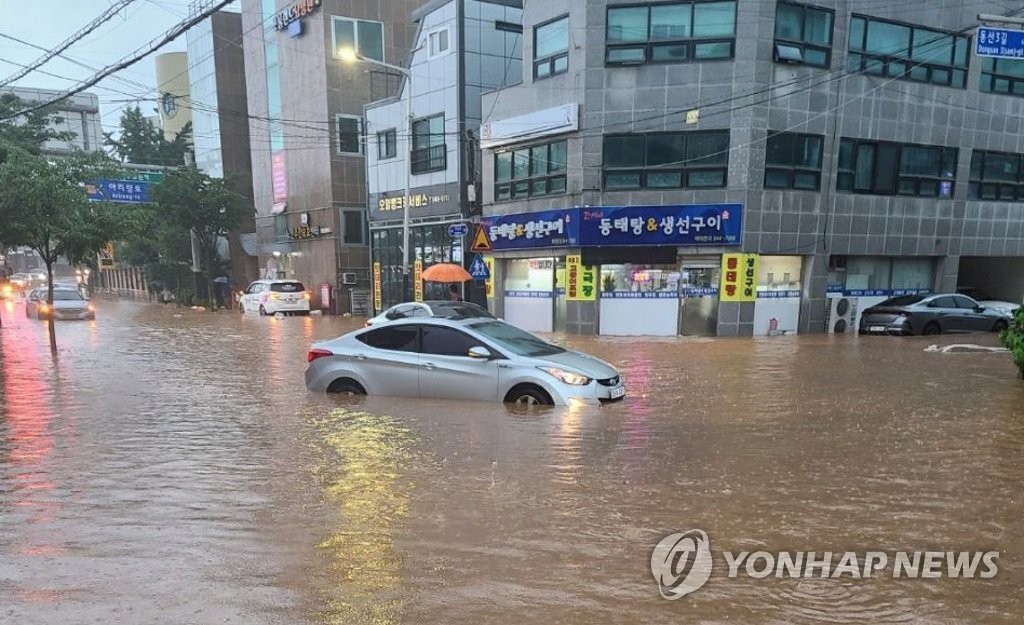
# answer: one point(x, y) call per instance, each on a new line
point(458, 230)
point(1001, 43)
point(478, 269)
point(122, 191)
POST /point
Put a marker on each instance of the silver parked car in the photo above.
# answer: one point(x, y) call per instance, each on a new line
point(476, 358)
point(932, 314)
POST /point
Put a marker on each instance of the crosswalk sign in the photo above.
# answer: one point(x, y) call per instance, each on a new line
point(481, 242)
point(478, 269)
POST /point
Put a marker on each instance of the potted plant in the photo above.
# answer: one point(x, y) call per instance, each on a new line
point(1013, 339)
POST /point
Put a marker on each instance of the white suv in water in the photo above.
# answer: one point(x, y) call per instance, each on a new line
point(269, 297)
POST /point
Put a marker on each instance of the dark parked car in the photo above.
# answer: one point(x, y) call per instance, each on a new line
point(932, 314)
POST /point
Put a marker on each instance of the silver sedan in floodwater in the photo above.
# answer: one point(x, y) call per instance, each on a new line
point(932, 314)
point(476, 358)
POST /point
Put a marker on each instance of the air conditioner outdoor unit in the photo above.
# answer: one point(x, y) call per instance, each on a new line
point(349, 277)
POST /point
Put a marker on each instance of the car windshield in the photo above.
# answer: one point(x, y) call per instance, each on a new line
point(287, 287)
point(65, 296)
point(906, 300)
point(515, 340)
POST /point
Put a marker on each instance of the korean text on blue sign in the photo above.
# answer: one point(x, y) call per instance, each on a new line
point(695, 224)
point(999, 42)
point(530, 230)
point(124, 191)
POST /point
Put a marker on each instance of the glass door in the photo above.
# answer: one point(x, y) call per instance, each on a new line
point(698, 297)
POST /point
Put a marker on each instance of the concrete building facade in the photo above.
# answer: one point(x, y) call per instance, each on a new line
point(78, 115)
point(843, 151)
point(306, 109)
point(462, 48)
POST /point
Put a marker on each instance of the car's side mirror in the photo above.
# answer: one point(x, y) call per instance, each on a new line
point(481, 353)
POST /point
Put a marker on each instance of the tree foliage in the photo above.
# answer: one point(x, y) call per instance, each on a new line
point(43, 206)
point(140, 142)
point(27, 132)
point(1013, 339)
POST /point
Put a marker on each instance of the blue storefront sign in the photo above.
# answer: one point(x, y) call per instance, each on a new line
point(533, 230)
point(122, 191)
point(679, 225)
point(1000, 43)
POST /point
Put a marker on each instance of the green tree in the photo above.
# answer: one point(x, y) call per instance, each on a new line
point(28, 132)
point(43, 206)
point(142, 143)
point(1013, 339)
point(191, 201)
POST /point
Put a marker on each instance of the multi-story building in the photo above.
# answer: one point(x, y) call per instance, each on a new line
point(306, 107)
point(462, 49)
point(220, 123)
point(173, 85)
point(78, 115)
point(845, 150)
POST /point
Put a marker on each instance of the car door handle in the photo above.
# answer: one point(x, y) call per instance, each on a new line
point(360, 356)
point(429, 366)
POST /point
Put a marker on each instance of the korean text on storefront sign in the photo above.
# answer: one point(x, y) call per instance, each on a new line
point(739, 278)
point(417, 280)
point(697, 224)
point(419, 200)
point(533, 230)
point(581, 281)
point(378, 297)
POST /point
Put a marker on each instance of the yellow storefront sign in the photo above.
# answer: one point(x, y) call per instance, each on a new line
point(489, 283)
point(739, 278)
point(417, 280)
point(378, 297)
point(581, 280)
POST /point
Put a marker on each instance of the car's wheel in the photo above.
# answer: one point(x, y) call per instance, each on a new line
point(1000, 326)
point(932, 328)
point(346, 386)
point(528, 395)
point(263, 311)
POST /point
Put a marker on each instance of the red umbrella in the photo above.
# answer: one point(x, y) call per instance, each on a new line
point(446, 272)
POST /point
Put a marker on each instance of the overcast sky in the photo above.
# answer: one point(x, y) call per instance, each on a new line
point(46, 23)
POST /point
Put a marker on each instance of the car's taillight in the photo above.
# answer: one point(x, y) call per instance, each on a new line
point(367, 324)
point(306, 295)
point(313, 354)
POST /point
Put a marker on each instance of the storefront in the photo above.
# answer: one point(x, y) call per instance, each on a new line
point(856, 283)
point(641, 283)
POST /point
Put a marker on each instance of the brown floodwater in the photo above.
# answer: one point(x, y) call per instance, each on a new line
point(171, 468)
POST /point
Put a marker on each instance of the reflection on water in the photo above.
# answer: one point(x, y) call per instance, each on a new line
point(171, 468)
point(363, 466)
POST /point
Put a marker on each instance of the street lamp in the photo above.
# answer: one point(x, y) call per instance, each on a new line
point(350, 56)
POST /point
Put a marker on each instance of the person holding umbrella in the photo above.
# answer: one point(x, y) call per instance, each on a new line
point(448, 273)
point(453, 293)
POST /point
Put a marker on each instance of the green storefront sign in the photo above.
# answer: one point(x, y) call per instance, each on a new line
point(153, 177)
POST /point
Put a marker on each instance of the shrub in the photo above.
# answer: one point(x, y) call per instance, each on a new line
point(1013, 339)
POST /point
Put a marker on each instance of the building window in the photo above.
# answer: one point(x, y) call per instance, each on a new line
point(906, 52)
point(531, 171)
point(387, 144)
point(1002, 76)
point(670, 33)
point(803, 35)
point(438, 42)
point(793, 161)
point(280, 227)
point(551, 48)
point(364, 36)
point(996, 176)
point(355, 230)
point(349, 140)
point(666, 160)
point(896, 169)
point(429, 152)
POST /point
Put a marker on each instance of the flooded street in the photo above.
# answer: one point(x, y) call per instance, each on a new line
point(171, 468)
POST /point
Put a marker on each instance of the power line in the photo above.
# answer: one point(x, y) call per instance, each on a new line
point(170, 36)
point(89, 28)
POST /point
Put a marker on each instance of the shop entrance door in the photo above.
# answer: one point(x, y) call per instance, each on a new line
point(698, 297)
point(559, 320)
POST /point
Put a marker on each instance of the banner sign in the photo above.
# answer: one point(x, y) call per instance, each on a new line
point(532, 230)
point(489, 262)
point(680, 225)
point(417, 280)
point(121, 191)
point(581, 280)
point(378, 297)
point(739, 278)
